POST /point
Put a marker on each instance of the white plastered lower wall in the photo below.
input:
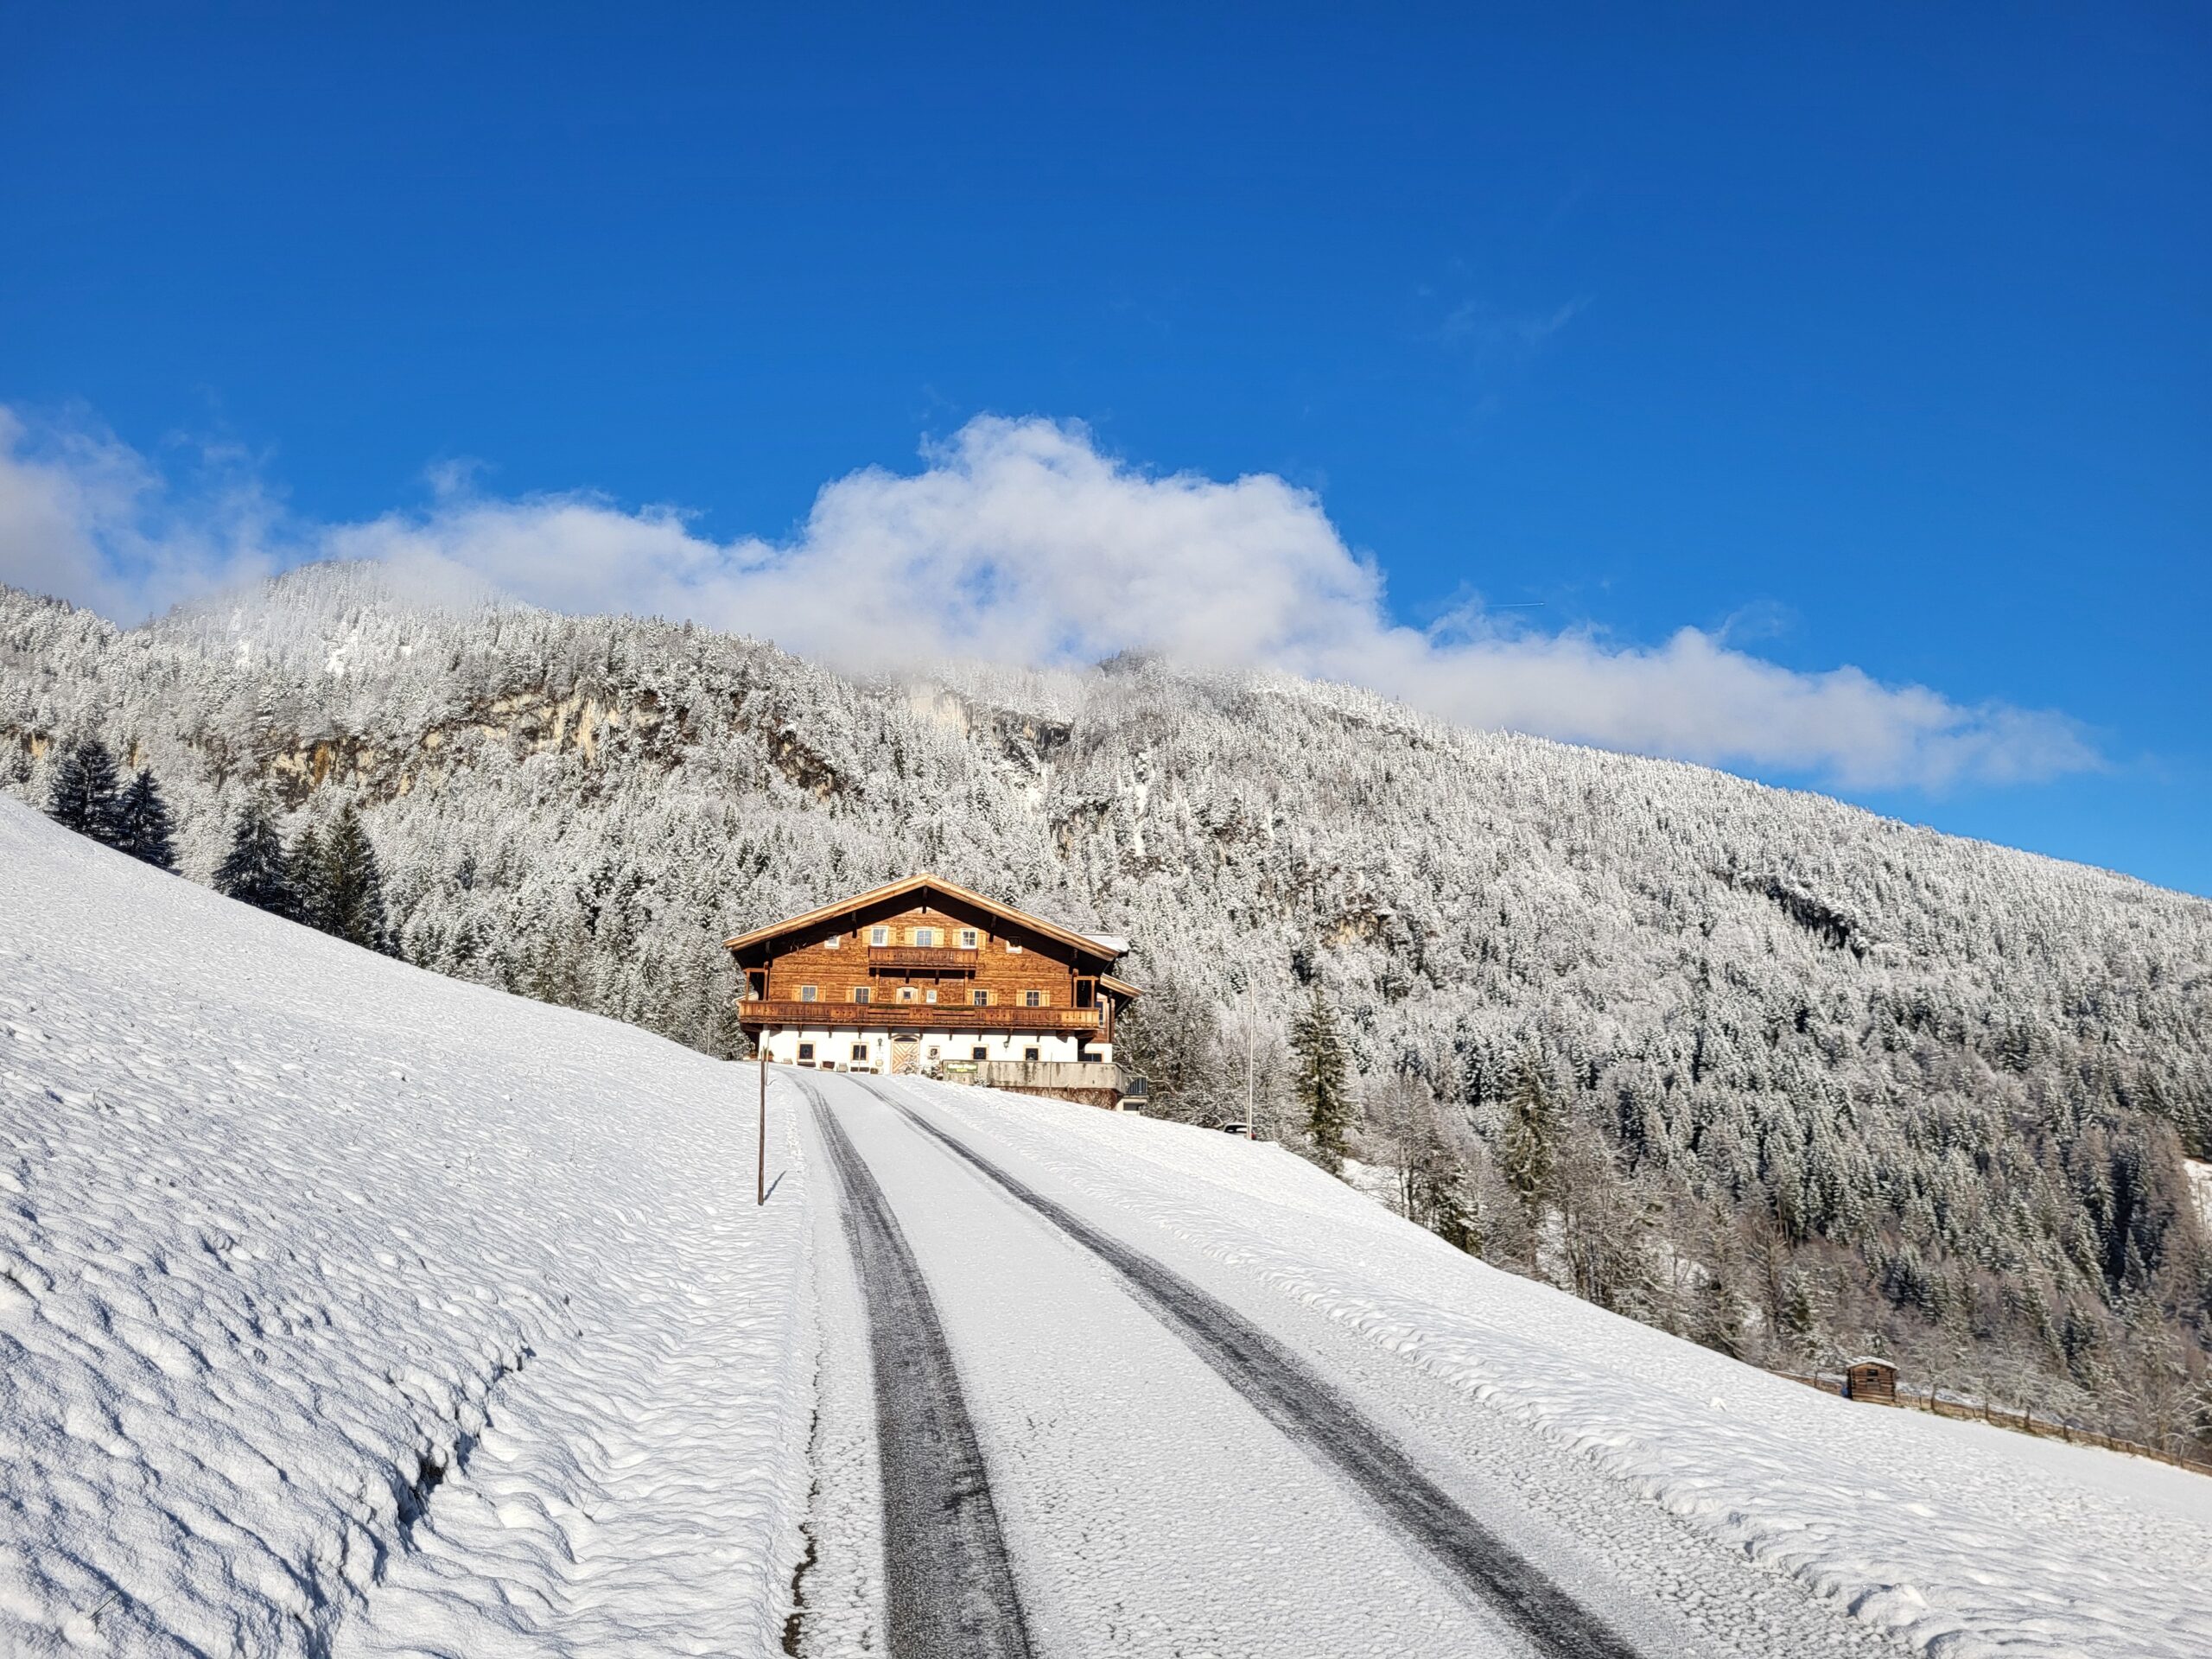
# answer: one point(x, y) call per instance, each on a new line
point(816, 1046)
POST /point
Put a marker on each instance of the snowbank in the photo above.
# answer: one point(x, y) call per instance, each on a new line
point(347, 1308)
point(1960, 1543)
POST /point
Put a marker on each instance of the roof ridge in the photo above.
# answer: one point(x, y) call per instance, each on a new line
point(1066, 935)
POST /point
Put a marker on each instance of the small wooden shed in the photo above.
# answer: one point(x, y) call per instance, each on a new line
point(1870, 1377)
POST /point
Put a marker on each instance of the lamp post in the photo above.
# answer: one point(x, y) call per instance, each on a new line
point(760, 1183)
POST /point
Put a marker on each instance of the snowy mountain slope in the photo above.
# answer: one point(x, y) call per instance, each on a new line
point(1960, 1541)
point(342, 1301)
point(1947, 1087)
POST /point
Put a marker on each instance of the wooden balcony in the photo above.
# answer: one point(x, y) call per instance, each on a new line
point(754, 1014)
point(930, 958)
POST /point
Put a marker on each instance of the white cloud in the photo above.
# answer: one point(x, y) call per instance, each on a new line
point(85, 517)
point(1018, 541)
point(1483, 329)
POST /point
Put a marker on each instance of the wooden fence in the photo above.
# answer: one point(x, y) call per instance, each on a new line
point(2023, 1422)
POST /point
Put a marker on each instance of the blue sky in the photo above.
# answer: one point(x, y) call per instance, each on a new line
point(1883, 344)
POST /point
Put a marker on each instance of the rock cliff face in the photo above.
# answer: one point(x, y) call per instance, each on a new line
point(1966, 1065)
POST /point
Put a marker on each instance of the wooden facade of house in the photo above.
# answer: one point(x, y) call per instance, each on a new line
point(922, 975)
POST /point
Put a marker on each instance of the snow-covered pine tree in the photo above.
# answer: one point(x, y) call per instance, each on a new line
point(1527, 1143)
point(82, 796)
point(353, 886)
point(1452, 1215)
point(252, 872)
point(142, 823)
point(1797, 1320)
point(1716, 1314)
point(1431, 1153)
point(306, 880)
point(1605, 1224)
point(1172, 1037)
point(1323, 1080)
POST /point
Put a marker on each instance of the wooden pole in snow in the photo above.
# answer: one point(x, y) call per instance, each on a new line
point(1251, 1048)
point(761, 1186)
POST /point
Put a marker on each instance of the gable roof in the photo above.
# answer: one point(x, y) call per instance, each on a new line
point(1103, 950)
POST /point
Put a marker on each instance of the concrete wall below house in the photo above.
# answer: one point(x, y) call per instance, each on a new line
point(1088, 1083)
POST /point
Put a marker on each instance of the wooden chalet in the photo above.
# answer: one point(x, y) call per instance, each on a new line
point(923, 976)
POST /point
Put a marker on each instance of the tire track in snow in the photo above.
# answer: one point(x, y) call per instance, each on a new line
point(1316, 1415)
point(950, 1585)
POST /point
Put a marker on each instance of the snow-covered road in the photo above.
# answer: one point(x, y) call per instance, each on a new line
point(1148, 1509)
point(1173, 1477)
point(950, 1584)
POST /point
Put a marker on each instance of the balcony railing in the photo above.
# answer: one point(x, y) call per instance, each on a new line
point(753, 1013)
point(938, 959)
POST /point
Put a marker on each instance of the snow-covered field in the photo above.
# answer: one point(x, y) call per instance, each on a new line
point(340, 1303)
point(347, 1309)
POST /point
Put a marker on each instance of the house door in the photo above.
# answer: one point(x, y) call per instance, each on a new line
point(905, 1051)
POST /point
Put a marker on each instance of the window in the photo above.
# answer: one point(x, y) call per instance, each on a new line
point(979, 1053)
point(925, 937)
point(861, 993)
point(982, 999)
point(967, 938)
point(1033, 1054)
point(806, 1050)
point(859, 1053)
point(1033, 999)
point(806, 993)
point(930, 995)
point(879, 936)
point(835, 942)
point(906, 993)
